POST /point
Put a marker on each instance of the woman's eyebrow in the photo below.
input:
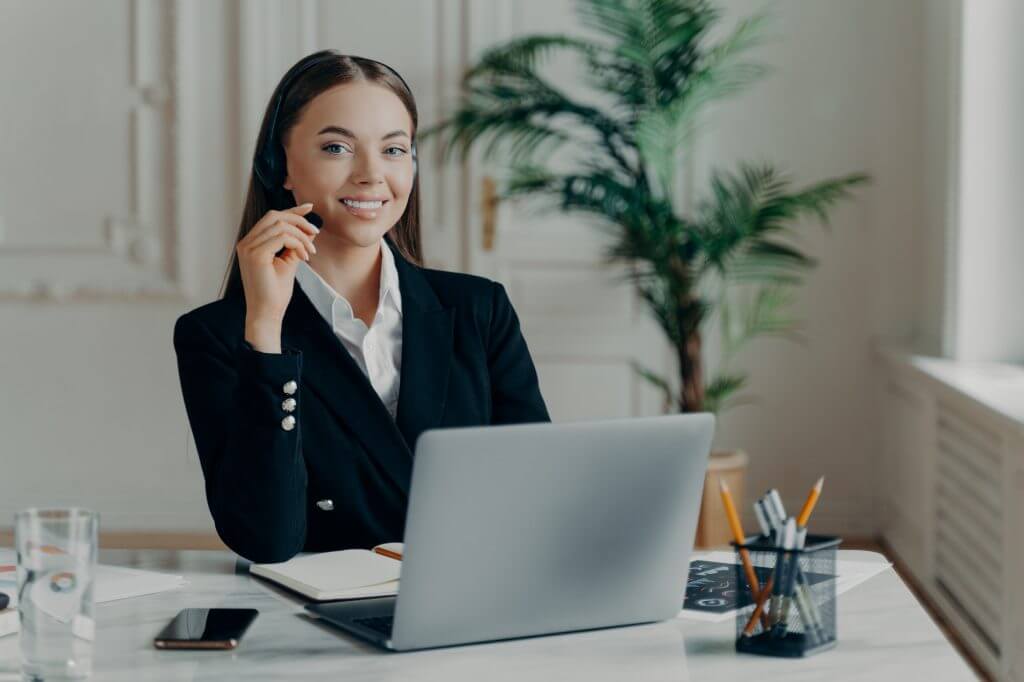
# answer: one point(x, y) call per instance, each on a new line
point(348, 133)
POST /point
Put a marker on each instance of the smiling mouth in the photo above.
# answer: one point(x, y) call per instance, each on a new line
point(351, 203)
point(363, 209)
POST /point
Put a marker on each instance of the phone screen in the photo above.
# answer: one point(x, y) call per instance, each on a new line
point(206, 629)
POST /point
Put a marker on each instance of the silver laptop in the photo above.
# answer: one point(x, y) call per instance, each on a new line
point(532, 529)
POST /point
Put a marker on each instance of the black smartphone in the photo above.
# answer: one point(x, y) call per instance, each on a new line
point(205, 629)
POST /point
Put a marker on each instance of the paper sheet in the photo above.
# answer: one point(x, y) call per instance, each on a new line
point(850, 574)
point(111, 583)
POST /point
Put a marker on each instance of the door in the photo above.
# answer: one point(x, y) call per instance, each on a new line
point(583, 324)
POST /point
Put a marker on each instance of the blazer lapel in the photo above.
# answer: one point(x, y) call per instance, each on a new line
point(334, 376)
point(330, 372)
point(427, 348)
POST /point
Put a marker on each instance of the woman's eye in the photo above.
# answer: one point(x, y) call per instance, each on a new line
point(335, 144)
point(392, 151)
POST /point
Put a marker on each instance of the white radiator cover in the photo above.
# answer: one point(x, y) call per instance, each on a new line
point(952, 483)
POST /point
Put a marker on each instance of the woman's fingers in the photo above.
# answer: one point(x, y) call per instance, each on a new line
point(273, 217)
point(285, 238)
point(284, 228)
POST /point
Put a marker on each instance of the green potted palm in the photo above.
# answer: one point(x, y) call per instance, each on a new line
point(729, 261)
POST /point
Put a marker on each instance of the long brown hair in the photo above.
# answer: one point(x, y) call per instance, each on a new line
point(310, 79)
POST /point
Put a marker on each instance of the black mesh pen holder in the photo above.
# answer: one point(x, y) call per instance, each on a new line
point(798, 617)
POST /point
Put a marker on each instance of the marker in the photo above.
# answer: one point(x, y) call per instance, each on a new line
point(786, 541)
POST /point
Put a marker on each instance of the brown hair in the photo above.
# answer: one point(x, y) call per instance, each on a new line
point(310, 79)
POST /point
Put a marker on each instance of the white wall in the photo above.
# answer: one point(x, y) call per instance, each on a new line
point(941, 125)
point(90, 408)
point(846, 95)
point(989, 318)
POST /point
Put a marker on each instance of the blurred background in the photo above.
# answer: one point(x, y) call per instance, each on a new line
point(127, 138)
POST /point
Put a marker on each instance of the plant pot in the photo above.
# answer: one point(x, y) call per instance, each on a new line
point(713, 525)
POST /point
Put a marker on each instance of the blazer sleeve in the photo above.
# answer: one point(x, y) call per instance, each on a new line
point(254, 470)
point(515, 391)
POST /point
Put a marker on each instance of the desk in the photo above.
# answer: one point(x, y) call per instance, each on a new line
point(884, 634)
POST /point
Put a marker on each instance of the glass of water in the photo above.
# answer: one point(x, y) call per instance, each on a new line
point(56, 566)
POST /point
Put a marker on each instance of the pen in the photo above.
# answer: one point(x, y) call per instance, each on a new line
point(813, 628)
point(762, 518)
point(786, 542)
point(776, 501)
point(794, 568)
point(775, 519)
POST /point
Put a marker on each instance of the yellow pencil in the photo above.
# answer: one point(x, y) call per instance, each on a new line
point(759, 608)
point(812, 499)
point(737, 533)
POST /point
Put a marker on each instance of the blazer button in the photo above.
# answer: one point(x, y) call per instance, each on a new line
point(326, 505)
point(290, 387)
point(288, 405)
point(288, 423)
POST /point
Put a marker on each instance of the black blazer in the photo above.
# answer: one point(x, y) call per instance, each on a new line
point(464, 362)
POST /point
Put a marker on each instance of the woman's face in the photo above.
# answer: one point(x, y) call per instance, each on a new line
point(352, 143)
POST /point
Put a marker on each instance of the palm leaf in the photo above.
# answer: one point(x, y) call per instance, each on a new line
point(525, 54)
point(719, 390)
point(668, 396)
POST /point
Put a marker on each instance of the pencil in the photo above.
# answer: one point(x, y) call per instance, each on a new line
point(737, 533)
point(759, 609)
point(388, 553)
point(812, 499)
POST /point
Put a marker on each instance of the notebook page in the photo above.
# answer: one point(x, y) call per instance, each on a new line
point(334, 571)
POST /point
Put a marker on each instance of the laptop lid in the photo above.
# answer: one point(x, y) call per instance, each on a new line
point(531, 529)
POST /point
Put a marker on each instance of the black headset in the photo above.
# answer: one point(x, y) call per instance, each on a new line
point(269, 162)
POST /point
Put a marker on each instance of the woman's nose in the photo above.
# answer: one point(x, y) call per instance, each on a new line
point(368, 169)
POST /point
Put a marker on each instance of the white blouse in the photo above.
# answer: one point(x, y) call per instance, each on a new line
point(377, 349)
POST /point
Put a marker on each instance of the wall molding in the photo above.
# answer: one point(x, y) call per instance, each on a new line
point(151, 234)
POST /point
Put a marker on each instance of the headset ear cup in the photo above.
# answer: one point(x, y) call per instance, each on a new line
point(266, 169)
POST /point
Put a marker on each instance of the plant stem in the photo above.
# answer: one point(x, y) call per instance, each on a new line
point(691, 371)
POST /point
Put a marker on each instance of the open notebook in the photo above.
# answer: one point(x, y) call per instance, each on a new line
point(345, 574)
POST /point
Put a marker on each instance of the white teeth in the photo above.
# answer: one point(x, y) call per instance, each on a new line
point(363, 204)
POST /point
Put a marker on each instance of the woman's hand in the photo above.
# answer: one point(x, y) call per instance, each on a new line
point(268, 278)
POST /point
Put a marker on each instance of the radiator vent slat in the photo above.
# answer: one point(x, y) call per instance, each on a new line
point(968, 548)
point(958, 578)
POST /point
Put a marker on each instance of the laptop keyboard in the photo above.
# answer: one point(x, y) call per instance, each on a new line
point(381, 624)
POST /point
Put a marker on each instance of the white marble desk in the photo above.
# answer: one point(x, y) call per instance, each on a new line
point(884, 634)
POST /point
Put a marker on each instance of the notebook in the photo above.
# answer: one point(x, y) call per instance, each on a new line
point(344, 574)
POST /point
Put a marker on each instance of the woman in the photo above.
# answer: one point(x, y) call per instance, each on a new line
point(305, 401)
